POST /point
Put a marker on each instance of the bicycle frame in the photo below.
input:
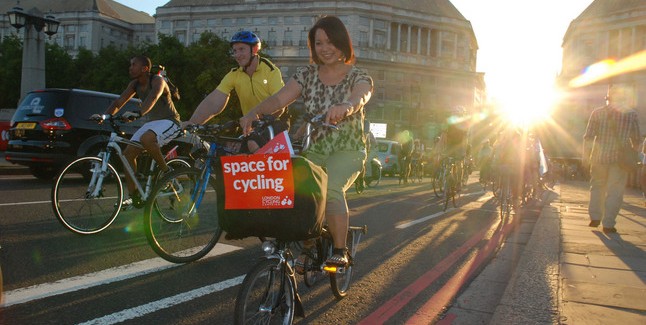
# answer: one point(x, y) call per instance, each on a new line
point(113, 146)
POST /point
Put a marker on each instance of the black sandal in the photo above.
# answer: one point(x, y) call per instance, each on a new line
point(339, 257)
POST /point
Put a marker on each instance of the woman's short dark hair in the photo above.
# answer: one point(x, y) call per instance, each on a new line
point(338, 35)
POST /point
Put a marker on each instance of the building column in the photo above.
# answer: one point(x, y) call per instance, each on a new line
point(408, 39)
point(399, 37)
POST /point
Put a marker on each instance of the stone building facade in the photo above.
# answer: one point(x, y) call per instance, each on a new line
point(421, 53)
point(606, 32)
point(90, 24)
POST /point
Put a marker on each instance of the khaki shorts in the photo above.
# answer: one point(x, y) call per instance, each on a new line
point(342, 168)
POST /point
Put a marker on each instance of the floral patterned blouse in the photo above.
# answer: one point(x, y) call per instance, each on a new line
point(318, 97)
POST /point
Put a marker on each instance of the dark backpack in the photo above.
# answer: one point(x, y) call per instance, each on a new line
point(174, 91)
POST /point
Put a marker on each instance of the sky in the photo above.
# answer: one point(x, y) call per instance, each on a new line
point(519, 43)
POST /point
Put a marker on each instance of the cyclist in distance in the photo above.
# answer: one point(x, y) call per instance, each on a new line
point(163, 124)
point(405, 155)
point(255, 79)
point(333, 86)
point(454, 138)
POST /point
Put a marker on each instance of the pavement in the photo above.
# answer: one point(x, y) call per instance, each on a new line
point(555, 269)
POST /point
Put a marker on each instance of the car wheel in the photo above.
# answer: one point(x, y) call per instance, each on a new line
point(44, 172)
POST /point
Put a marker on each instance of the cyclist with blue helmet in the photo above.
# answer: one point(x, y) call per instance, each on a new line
point(255, 79)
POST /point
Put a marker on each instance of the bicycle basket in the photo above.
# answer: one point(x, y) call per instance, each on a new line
point(303, 221)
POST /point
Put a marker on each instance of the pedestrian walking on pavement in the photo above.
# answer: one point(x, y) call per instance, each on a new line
point(609, 128)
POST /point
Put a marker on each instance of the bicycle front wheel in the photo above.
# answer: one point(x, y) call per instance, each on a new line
point(87, 207)
point(266, 295)
point(181, 216)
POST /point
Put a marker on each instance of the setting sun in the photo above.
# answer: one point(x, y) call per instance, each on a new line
point(526, 105)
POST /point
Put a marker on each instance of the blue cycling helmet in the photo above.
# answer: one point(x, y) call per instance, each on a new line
point(247, 37)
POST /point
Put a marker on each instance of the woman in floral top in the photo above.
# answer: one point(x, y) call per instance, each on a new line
point(332, 85)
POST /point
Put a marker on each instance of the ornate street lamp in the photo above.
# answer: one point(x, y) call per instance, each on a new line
point(17, 17)
point(51, 25)
point(33, 50)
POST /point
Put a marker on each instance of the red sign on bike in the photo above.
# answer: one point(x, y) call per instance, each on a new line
point(258, 181)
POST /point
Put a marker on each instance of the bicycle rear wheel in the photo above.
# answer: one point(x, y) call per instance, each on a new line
point(266, 295)
point(77, 203)
point(449, 191)
point(181, 218)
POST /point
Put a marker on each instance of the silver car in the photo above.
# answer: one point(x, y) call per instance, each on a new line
point(388, 152)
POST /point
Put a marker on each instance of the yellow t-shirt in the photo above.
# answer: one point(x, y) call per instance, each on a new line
point(265, 81)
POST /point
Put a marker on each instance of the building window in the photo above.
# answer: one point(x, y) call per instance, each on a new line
point(69, 42)
point(181, 36)
point(227, 22)
point(165, 24)
point(259, 21)
point(626, 46)
point(273, 21)
point(197, 24)
point(363, 39)
point(462, 48)
point(271, 38)
point(288, 38)
point(379, 39)
point(181, 24)
point(306, 20)
point(380, 93)
point(211, 22)
point(448, 44)
point(83, 41)
point(288, 20)
point(364, 21)
point(303, 40)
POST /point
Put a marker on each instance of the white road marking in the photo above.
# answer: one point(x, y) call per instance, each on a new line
point(435, 215)
point(154, 306)
point(416, 221)
point(85, 281)
point(24, 203)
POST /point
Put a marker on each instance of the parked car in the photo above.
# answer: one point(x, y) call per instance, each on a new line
point(51, 127)
point(387, 152)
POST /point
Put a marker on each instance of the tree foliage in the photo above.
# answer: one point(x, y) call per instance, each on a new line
point(196, 70)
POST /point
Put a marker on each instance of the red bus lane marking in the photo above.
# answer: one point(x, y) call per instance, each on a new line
point(429, 311)
point(396, 303)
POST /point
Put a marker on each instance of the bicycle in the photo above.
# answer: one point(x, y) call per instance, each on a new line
point(364, 180)
point(181, 219)
point(453, 180)
point(269, 294)
point(269, 291)
point(87, 195)
point(417, 171)
point(505, 194)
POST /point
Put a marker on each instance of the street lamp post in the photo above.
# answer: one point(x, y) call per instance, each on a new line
point(33, 48)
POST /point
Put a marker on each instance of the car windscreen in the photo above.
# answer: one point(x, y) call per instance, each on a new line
point(38, 106)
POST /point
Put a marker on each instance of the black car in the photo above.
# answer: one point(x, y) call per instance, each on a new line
point(51, 127)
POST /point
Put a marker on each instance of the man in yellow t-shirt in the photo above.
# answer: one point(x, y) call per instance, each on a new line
point(254, 80)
